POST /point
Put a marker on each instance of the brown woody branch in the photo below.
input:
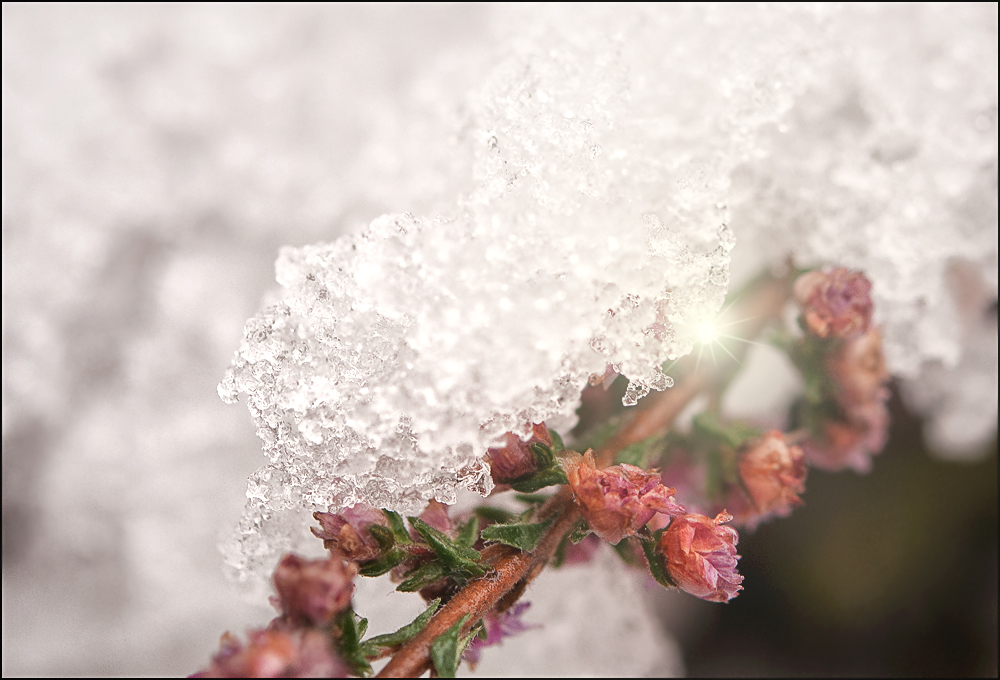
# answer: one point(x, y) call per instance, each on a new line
point(512, 569)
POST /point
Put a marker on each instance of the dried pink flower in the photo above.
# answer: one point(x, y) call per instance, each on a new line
point(302, 653)
point(498, 627)
point(619, 500)
point(313, 591)
point(514, 460)
point(773, 473)
point(857, 368)
point(835, 302)
point(348, 534)
point(850, 443)
point(700, 556)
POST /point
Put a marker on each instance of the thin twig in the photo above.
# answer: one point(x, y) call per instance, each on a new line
point(513, 569)
point(479, 596)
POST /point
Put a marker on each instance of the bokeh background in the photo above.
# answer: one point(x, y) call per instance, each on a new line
point(154, 160)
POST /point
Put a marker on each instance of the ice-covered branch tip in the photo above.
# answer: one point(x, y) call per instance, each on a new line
point(398, 357)
point(590, 233)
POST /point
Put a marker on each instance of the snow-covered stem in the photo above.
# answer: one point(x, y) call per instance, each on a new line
point(511, 570)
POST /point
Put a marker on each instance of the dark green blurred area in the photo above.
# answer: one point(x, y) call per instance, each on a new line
point(893, 573)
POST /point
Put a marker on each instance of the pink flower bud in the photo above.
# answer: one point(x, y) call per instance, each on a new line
point(701, 557)
point(773, 473)
point(436, 515)
point(619, 500)
point(835, 302)
point(858, 373)
point(348, 533)
point(857, 368)
point(850, 443)
point(514, 460)
point(313, 591)
point(276, 654)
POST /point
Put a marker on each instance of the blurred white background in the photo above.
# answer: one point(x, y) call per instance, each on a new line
point(154, 159)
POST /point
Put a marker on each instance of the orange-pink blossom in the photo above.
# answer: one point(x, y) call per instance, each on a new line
point(619, 500)
point(836, 303)
point(700, 556)
point(773, 474)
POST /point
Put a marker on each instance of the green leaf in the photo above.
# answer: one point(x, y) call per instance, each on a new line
point(557, 441)
point(523, 536)
point(454, 555)
point(384, 564)
point(656, 566)
point(634, 454)
point(386, 539)
point(544, 456)
point(495, 515)
point(580, 531)
point(559, 556)
point(532, 498)
point(352, 628)
point(600, 435)
point(469, 533)
point(541, 479)
point(397, 526)
point(623, 549)
point(729, 464)
point(446, 651)
point(374, 646)
point(423, 576)
point(733, 434)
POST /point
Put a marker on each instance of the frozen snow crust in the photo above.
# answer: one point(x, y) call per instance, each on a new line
point(603, 170)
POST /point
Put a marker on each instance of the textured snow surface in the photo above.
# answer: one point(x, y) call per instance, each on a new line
point(600, 174)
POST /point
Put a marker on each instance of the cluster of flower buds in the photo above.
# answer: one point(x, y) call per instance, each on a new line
point(694, 553)
point(301, 641)
point(758, 475)
point(845, 350)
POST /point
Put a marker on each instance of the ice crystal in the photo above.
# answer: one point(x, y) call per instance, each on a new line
point(604, 167)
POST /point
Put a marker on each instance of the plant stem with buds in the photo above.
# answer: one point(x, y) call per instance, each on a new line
point(511, 569)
